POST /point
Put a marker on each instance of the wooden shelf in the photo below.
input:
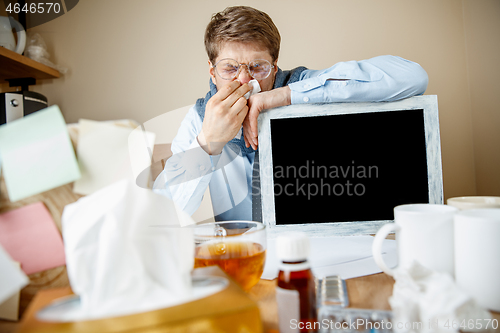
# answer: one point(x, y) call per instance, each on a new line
point(16, 66)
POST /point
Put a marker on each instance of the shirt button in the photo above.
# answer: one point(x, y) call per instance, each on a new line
point(306, 85)
point(306, 99)
point(344, 83)
point(202, 167)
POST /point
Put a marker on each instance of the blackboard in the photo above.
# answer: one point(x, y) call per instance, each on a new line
point(342, 168)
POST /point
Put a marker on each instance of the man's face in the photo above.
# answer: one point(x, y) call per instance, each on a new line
point(243, 53)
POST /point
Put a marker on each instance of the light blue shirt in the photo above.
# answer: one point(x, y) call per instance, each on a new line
point(191, 170)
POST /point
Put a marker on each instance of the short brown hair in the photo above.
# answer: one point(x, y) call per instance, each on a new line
point(241, 24)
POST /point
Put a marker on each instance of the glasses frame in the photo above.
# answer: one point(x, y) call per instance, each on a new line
point(239, 68)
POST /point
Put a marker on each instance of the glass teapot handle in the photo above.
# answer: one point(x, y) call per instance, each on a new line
point(21, 35)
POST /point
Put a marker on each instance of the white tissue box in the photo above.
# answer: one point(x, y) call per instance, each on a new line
point(230, 310)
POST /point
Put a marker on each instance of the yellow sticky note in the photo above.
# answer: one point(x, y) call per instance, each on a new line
point(109, 153)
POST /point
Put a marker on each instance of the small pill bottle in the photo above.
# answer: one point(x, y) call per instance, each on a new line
point(296, 292)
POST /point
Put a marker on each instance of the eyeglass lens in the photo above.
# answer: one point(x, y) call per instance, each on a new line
point(229, 68)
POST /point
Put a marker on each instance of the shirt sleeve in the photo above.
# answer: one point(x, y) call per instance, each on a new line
point(188, 171)
point(380, 79)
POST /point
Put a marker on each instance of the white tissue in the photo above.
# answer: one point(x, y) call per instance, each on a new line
point(429, 301)
point(255, 88)
point(126, 252)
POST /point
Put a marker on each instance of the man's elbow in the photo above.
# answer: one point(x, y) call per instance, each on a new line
point(414, 77)
point(421, 80)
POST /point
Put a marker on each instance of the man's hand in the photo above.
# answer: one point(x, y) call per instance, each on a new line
point(224, 114)
point(258, 102)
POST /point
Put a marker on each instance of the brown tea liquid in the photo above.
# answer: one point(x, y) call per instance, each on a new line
point(243, 261)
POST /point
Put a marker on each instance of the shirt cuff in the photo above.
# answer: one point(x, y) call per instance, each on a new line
point(199, 161)
point(308, 90)
point(303, 92)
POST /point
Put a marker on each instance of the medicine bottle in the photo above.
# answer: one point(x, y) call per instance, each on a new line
point(295, 293)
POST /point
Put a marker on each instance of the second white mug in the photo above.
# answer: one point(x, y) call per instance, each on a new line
point(464, 203)
point(477, 247)
point(424, 232)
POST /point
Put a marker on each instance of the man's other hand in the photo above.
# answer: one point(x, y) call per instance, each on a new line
point(257, 103)
point(224, 115)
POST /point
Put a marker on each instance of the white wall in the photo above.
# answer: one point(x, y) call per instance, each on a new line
point(139, 59)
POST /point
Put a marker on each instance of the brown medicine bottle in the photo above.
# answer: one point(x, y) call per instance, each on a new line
point(295, 293)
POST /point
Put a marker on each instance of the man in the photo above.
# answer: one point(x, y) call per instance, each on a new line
point(217, 141)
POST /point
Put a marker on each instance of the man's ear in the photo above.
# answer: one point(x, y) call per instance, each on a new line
point(275, 70)
point(211, 71)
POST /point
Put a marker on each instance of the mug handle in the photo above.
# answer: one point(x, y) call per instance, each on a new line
point(377, 246)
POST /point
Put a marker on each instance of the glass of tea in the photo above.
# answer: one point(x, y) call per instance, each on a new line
point(237, 247)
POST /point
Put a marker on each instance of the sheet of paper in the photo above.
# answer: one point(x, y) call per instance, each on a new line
point(12, 278)
point(104, 155)
point(9, 308)
point(31, 237)
point(37, 154)
point(349, 257)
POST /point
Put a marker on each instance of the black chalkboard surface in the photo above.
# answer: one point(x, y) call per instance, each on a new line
point(348, 167)
point(341, 168)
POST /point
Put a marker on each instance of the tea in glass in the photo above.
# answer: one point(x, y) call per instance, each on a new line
point(238, 248)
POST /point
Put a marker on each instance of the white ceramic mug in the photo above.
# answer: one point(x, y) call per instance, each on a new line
point(477, 251)
point(464, 203)
point(424, 232)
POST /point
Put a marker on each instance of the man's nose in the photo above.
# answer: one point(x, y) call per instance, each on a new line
point(244, 75)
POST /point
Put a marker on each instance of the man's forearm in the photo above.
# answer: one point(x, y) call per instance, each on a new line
point(185, 178)
point(384, 78)
point(211, 148)
point(277, 97)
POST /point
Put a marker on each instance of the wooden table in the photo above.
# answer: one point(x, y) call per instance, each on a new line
point(369, 292)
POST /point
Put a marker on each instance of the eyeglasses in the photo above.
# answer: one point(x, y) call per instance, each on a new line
point(228, 69)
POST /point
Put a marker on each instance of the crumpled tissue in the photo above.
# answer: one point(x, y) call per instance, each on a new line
point(126, 252)
point(427, 301)
point(254, 84)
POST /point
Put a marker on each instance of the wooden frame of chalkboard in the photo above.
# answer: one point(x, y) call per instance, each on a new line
point(408, 131)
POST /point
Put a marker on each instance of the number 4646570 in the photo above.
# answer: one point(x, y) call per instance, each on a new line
point(33, 8)
point(470, 324)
